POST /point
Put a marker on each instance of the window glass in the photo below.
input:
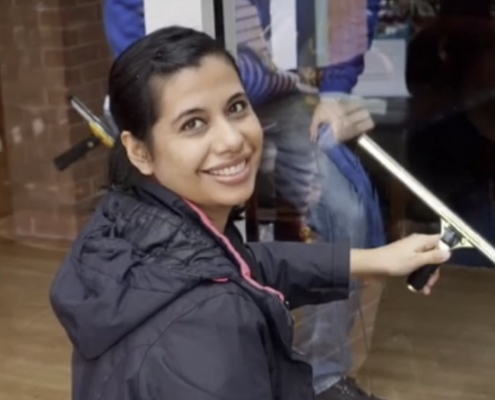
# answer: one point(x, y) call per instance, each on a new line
point(423, 70)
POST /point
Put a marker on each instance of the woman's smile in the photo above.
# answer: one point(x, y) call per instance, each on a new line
point(234, 172)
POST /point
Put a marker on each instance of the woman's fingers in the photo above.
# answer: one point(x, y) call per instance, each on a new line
point(430, 257)
point(365, 126)
point(428, 251)
point(426, 242)
point(431, 282)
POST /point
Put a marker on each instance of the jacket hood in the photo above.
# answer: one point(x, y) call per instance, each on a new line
point(132, 259)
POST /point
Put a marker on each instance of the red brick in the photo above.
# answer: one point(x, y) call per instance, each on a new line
point(103, 51)
point(94, 71)
point(51, 18)
point(78, 126)
point(51, 38)
point(81, 54)
point(90, 33)
point(88, 2)
point(48, 54)
point(25, 16)
point(53, 58)
point(6, 36)
point(74, 75)
point(53, 77)
point(81, 14)
point(55, 96)
point(71, 37)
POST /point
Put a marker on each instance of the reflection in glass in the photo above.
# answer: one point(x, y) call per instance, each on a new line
point(425, 69)
point(302, 188)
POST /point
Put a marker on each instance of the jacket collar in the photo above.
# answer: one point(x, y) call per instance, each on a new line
point(159, 196)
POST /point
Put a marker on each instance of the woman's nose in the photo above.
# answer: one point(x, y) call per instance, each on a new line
point(228, 138)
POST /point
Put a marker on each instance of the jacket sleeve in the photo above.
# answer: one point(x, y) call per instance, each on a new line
point(124, 23)
point(212, 352)
point(305, 273)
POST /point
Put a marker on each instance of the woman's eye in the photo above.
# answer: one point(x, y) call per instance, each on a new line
point(192, 124)
point(237, 107)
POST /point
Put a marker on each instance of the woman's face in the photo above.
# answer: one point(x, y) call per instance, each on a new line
point(206, 145)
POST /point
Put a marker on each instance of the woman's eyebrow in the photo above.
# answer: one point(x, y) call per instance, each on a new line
point(237, 96)
point(187, 112)
point(197, 110)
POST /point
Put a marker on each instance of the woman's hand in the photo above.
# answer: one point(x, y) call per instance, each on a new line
point(407, 255)
point(347, 118)
point(401, 258)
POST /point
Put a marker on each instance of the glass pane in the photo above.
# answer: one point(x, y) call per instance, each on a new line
point(424, 72)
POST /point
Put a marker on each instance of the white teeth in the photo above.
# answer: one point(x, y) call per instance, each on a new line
point(235, 169)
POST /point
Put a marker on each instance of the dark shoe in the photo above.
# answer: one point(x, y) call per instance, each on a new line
point(346, 389)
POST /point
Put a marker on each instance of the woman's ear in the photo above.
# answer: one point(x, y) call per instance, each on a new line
point(137, 152)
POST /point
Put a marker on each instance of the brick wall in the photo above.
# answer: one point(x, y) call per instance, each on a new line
point(5, 197)
point(50, 49)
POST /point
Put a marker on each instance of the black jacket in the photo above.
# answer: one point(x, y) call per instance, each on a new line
point(158, 306)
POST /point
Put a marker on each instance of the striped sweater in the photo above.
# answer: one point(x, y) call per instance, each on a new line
point(349, 37)
point(350, 27)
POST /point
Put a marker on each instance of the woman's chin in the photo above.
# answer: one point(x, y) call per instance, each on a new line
point(236, 196)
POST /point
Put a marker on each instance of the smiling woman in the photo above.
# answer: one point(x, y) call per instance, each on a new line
point(207, 141)
point(159, 295)
point(203, 140)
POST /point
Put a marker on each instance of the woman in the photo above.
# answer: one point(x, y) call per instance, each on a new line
point(159, 296)
point(336, 204)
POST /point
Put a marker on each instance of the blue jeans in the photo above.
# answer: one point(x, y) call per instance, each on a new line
point(307, 179)
point(338, 213)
